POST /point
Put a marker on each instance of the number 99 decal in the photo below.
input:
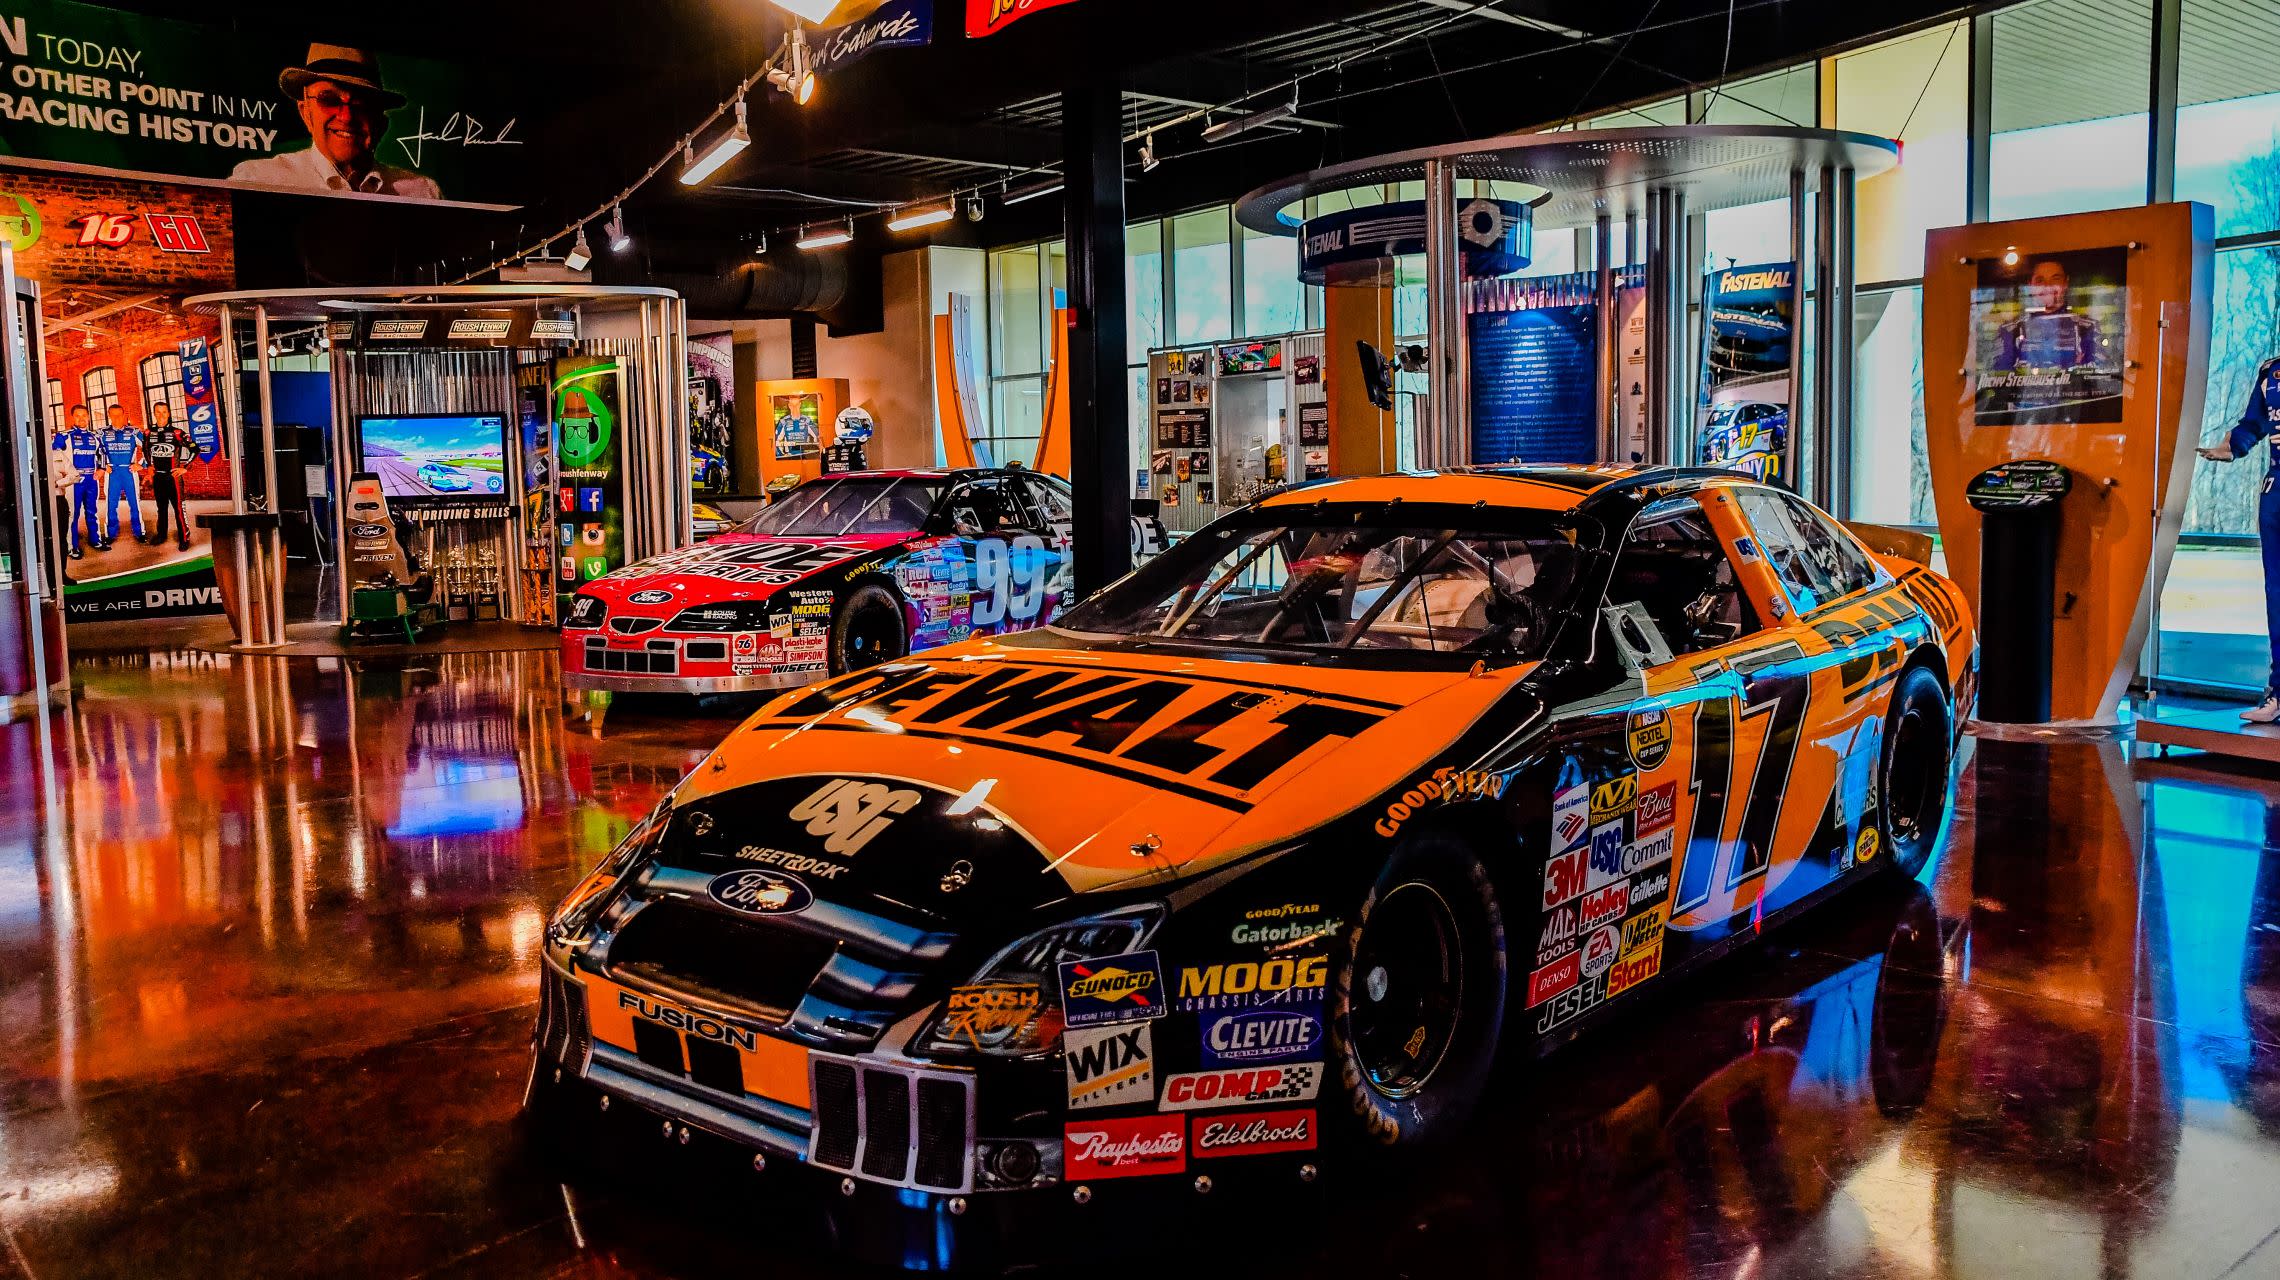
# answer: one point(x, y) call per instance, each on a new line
point(1010, 577)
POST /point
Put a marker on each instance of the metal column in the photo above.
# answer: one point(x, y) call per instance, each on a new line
point(1449, 428)
point(1841, 352)
point(273, 539)
point(1658, 329)
point(1817, 483)
point(1796, 321)
point(1610, 370)
point(1100, 443)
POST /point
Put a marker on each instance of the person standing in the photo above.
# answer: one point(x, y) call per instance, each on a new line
point(166, 448)
point(79, 450)
point(122, 448)
point(2260, 424)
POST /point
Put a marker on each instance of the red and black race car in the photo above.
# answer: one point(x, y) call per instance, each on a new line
point(838, 574)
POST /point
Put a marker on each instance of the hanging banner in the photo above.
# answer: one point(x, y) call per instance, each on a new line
point(198, 396)
point(712, 413)
point(898, 24)
point(102, 91)
point(988, 17)
point(1749, 319)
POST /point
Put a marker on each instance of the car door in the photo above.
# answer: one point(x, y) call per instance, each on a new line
point(1051, 494)
point(1009, 544)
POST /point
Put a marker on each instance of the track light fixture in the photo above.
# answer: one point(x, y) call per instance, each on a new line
point(1148, 159)
point(760, 246)
point(974, 207)
point(1034, 190)
point(1244, 124)
point(614, 230)
point(925, 215)
point(275, 348)
point(827, 238)
point(696, 165)
point(796, 75)
point(580, 253)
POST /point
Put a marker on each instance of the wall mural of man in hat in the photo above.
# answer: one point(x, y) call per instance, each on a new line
point(345, 107)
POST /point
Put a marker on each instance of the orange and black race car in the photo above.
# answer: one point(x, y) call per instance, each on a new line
point(1278, 842)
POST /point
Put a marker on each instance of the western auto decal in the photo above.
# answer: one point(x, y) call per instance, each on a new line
point(1122, 988)
point(1109, 1066)
point(1254, 1133)
point(1261, 1035)
point(1643, 931)
point(760, 893)
point(1125, 1148)
point(990, 1014)
point(1238, 1086)
point(1221, 739)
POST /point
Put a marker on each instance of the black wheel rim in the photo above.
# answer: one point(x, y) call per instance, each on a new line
point(1408, 987)
point(872, 637)
point(1911, 781)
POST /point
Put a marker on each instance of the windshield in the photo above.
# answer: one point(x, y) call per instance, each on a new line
point(853, 505)
point(1335, 582)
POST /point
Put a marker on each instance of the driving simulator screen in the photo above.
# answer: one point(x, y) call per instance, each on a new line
point(437, 456)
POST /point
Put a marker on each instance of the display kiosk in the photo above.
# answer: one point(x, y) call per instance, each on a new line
point(525, 438)
point(1228, 421)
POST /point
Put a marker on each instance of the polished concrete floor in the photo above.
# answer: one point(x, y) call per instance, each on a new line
point(268, 929)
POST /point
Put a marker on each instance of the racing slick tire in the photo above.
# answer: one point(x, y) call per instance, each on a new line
point(868, 629)
point(1418, 1007)
point(1912, 779)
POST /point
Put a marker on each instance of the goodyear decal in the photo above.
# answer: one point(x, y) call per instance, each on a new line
point(1212, 739)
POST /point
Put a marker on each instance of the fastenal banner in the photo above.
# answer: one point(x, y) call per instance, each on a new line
point(96, 90)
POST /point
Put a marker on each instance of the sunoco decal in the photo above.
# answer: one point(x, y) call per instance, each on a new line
point(1122, 988)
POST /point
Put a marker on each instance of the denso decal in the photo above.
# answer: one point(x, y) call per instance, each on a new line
point(1630, 971)
point(991, 1013)
point(1253, 982)
point(1165, 723)
point(1109, 1066)
point(1658, 807)
point(1124, 1148)
point(760, 893)
point(1605, 904)
point(1558, 937)
point(696, 1024)
point(1553, 978)
point(1565, 877)
point(1238, 1086)
point(1260, 1035)
point(1255, 1134)
point(1121, 988)
point(848, 812)
point(1600, 950)
point(1614, 798)
point(1642, 931)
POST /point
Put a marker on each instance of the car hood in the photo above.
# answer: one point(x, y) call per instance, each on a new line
point(735, 566)
point(988, 777)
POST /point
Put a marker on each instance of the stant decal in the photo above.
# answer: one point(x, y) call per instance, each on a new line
point(1124, 1148)
point(1121, 988)
point(1630, 971)
point(1236, 1086)
point(760, 893)
point(1254, 1133)
point(1109, 1066)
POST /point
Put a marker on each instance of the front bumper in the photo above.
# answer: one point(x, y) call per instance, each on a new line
point(692, 684)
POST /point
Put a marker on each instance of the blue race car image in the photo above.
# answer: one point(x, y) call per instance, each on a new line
point(444, 479)
point(1751, 437)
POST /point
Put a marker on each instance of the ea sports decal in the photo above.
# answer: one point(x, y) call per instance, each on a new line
point(651, 596)
point(1123, 988)
point(760, 893)
point(1600, 950)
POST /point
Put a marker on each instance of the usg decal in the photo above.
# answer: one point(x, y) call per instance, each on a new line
point(760, 893)
point(1121, 988)
point(849, 813)
point(1237, 1086)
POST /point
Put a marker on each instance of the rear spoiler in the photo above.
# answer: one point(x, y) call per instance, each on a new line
point(1889, 540)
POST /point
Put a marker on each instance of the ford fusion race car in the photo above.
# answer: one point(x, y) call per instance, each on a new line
point(1277, 843)
point(839, 574)
point(1747, 436)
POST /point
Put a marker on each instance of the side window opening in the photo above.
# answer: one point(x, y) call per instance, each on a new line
point(1673, 572)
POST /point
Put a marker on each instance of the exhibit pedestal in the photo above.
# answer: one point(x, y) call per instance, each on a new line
point(2218, 732)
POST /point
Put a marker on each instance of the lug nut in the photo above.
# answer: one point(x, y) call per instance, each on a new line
point(847, 1186)
point(605, 1102)
point(1203, 1185)
point(957, 1206)
point(558, 1075)
point(1082, 1195)
point(1308, 1173)
point(759, 1162)
point(683, 1135)
point(668, 1128)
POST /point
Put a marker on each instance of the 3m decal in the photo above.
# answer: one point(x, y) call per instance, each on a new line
point(1658, 808)
point(1643, 931)
point(1260, 1035)
point(1121, 988)
point(1238, 1086)
point(1605, 904)
point(1600, 950)
point(1109, 1066)
point(760, 893)
point(1649, 735)
point(848, 813)
point(1565, 876)
point(1246, 983)
point(1254, 1133)
point(1630, 971)
point(990, 1014)
point(1124, 1148)
point(1614, 798)
point(1554, 978)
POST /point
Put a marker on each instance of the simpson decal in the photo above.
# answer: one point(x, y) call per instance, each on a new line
point(1109, 1066)
point(1122, 988)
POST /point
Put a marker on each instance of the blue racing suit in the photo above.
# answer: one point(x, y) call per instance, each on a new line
point(123, 445)
point(2260, 422)
point(86, 450)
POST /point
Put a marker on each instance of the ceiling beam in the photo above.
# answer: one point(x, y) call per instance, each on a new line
point(1495, 14)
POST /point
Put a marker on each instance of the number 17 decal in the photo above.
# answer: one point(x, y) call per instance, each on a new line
point(1779, 698)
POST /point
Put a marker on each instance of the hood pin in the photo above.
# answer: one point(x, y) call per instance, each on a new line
point(960, 874)
point(1146, 845)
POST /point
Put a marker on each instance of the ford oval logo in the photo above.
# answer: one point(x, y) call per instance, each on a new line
point(1262, 1034)
point(368, 531)
point(652, 596)
point(760, 893)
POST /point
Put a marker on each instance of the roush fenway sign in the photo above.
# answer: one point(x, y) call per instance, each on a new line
point(988, 17)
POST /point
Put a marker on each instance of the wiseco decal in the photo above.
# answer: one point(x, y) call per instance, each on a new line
point(1221, 736)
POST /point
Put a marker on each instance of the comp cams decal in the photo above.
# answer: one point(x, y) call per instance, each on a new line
point(1239, 1086)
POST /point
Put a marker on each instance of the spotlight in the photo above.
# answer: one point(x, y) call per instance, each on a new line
point(1034, 190)
point(274, 349)
point(2011, 255)
point(324, 340)
point(614, 230)
point(87, 339)
point(1229, 128)
point(760, 246)
point(698, 165)
point(925, 215)
point(974, 208)
point(826, 239)
point(1148, 160)
point(797, 74)
point(581, 253)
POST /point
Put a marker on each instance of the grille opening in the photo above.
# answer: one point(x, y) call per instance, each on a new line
point(716, 1066)
point(886, 1124)
point(657, 660)
point(657, 1045)
point(706, 651)
point(941, 1135)
point(836, 1125)
point(757, 968)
